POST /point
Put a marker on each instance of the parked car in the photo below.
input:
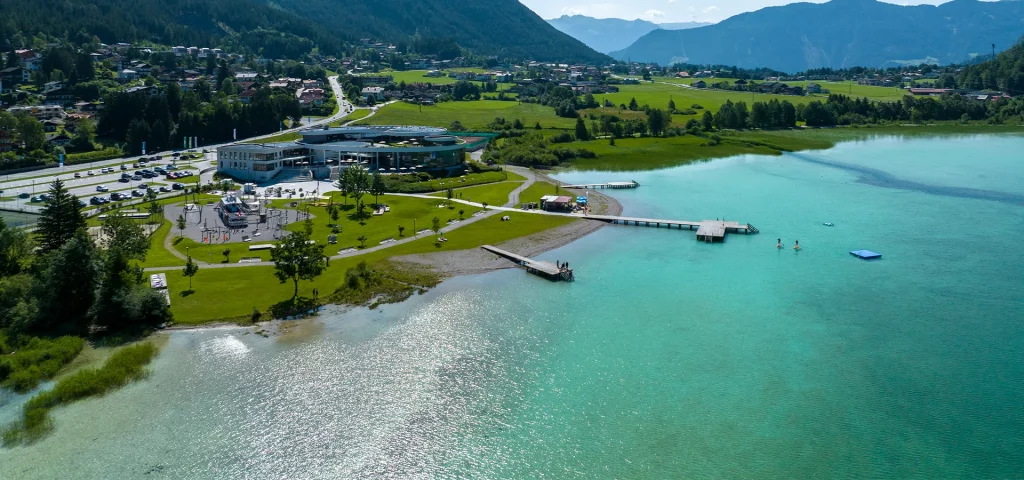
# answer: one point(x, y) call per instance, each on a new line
point(172, 167)
point(90, 173)
point(23, 195)
point(137, 193)
point(36, 199)
point(144, 186)
point(177, 186)
point(124, 180)
point(117, 196)
point(96, 201)
point(160, 170)
point(135, 165)
point(101, 188)
point(124, 167)
point(81, 203)
point(78, 175)
point(165, 189)
point(137, 178)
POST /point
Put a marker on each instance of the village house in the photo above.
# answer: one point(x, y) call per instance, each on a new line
point(12, 76)
point(8, 140)
point(41, 112)
point(813, 88)
point(699, 84)
point(376, 92)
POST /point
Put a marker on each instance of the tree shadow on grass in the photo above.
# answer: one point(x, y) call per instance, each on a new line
point(186, 293)
point(293, 306)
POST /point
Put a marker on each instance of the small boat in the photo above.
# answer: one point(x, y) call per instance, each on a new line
point(829, 224)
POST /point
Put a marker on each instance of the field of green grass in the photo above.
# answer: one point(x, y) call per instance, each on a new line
point(283, 137)
point(495, 194)
point(405, 211)
point(211, 300)
point(845, 88)
point(417, 76)
point(537, 190)
point(473, 115)
point(356, 115)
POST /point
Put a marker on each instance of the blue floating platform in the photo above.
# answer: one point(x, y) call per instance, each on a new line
point(865, 254)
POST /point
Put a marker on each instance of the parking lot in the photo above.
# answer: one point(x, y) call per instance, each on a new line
point(128, 179)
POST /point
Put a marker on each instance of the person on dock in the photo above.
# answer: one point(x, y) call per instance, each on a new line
point(797, 246)
point(779, 245)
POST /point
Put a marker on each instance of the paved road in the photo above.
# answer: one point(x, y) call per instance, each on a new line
point(26, 181)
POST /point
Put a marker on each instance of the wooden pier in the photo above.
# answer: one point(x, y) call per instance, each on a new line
point(707, 230)
point(594, 186)
point(540, 268)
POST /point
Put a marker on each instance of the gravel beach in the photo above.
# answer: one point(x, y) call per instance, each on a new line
point(473, 261)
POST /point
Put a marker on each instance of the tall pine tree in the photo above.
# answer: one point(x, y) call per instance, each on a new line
point(59, 219)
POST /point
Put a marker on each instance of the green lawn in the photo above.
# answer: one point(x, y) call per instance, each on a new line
point(357, 114)
point(539, 189)
point(474, 115)
point(417, 76)
point(283, 137)
point(404, 210)
point(230, 294)
point(495, 194)
point(440, 184)
point(158, 256)
point(845, 88)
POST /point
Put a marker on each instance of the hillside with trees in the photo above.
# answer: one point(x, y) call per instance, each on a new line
point(290, 28)
point(246, 25)
point(840, 34)
point(505, 28)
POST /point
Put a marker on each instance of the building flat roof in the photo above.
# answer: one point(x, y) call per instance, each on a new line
point(262, 147)
point(393, 130)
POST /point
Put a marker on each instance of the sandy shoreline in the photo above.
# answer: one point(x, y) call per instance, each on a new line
point(476, 261)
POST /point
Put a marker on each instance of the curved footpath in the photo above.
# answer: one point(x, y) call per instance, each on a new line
point(475, 260)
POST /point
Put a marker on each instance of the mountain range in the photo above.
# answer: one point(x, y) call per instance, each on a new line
point(610, 34)
point(288, 28)
point(839, 34)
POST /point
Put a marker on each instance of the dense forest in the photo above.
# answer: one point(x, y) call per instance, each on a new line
point(1004, 73)
point(504, 28)
point(242, 25)
point(290, 28)
point(162, 121)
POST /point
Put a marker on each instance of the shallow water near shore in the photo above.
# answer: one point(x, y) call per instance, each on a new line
point(667, 358)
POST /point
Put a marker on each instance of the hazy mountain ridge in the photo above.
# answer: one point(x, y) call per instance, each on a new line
point(840, 33)
point(610, 34)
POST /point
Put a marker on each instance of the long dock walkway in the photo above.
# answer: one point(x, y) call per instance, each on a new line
point(541, 268)
point(707, 230)
point(594, 186)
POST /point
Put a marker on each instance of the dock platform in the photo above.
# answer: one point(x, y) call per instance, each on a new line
point(709, 231)
point(594, 186)
point(540, 268)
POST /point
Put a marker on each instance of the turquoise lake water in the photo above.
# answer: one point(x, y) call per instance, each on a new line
point(667, 358)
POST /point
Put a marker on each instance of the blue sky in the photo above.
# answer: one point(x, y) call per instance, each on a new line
point(661, 11)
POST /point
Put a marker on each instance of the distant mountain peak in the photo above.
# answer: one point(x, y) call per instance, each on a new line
point(839, 34)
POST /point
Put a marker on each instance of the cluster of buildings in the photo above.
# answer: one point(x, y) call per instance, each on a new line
point(323, 153)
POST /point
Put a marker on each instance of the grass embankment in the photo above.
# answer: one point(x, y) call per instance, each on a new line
point(231, 294)
point(418, 76)
point(124, 366)
point(439, 184)
point(495, 194)
point(474, 115)
point(26, 363)
point(356, 115)
point(279, 138)
point(539, 189)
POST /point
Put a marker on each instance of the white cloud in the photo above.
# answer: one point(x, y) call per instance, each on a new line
point(710, 9)
point(571, 11)
point(652, 14)
point(672, 1)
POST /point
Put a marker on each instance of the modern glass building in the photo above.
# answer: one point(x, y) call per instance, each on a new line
point(321, 153)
